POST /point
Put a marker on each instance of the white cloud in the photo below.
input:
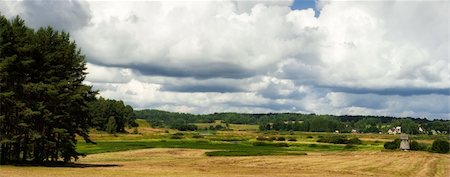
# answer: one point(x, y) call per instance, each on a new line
point(385, 44)
point(102, 74)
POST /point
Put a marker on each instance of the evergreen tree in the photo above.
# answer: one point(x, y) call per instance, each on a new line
point(42, 98)
point(102, 109)
point(111, 126)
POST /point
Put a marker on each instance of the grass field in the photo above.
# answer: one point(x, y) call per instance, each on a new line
point(158, 152)
point(193, 162)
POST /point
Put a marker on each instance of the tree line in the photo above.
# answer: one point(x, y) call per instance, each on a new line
point(111, 116)
point(44, 105)
point(297, 121)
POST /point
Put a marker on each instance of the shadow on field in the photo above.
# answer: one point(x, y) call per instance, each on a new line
point(64, 165)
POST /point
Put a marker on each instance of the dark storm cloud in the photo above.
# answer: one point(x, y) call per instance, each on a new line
point(200, 71)
point(63, 15)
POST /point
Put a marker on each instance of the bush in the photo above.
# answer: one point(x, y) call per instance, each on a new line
point(392, 145)
point(176, 137)
point(292, 139)
point(335, 139)
point(178, 134)
point(197, 136)
point(354, 140)
point(349, 146)
point(440, 146)
point(312, 145)
point(280, 138)
point(263, 138)
point(415, 146)
point(261, 143)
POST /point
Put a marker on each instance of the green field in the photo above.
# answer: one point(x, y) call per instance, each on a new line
point(238, 152)
point(240, 141)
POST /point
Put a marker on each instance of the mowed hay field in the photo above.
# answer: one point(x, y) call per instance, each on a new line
point(193, 162)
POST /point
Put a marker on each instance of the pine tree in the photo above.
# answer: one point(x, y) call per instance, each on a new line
point(111, 126)
point(102, 109)
point(43, 103)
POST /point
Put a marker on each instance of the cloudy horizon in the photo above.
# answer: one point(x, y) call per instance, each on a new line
point(386, 58)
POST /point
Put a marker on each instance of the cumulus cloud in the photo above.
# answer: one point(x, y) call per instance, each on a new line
point(201, 39)
point(366, 57)
point(384, 44)
point(102, 74)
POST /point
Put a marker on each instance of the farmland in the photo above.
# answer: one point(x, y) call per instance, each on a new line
point(193, 162)
point(168, 152)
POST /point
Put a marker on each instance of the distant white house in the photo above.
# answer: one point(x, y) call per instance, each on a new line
point(395, 130)
point(421, 129)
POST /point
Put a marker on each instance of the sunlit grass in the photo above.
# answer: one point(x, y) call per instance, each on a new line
point(237, 142)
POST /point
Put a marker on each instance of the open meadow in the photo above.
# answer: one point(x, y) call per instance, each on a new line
point(167, 152)
point(193, 162)
point(246, 88)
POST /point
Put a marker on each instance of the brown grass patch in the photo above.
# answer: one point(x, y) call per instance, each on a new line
point(189, 162)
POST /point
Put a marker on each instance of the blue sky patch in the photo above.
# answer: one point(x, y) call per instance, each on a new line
point(305, 4)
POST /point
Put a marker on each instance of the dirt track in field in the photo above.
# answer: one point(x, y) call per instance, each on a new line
point(188, 162)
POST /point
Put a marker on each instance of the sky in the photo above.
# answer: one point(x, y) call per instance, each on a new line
point(372, 57)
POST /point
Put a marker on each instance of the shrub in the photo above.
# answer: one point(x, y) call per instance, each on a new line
point(349, 146)
point(176, 137)
point(335, 139)
point(280, 138)
point(415, 146)
point(281, 144)
point(261, 143)
point(312, 145)
point(178, 134)
point(354, 140)
point(440, 146)
point(197, 136)
point(392, 145)
point(292, 139)
point(263, 138)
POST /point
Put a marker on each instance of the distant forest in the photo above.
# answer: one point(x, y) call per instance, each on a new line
point(297, 122)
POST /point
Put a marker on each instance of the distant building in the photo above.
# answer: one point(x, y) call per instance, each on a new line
point(421, 129)
point(404, 143)
point(396, 130)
